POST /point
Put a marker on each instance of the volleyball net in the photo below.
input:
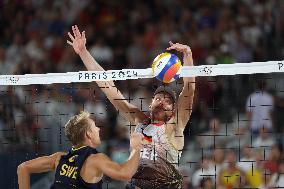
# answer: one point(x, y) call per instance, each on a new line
point(35, 107)
point(124, 74)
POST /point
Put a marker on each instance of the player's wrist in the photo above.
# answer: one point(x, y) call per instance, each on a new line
point(83, 51)
point(187, 51)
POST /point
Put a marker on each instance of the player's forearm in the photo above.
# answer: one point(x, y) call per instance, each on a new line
point(189, 82)
point(189, 86)
point(131, 165)
point(23, 177)
point(90, 63)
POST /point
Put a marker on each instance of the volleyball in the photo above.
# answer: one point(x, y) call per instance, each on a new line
point(166, 66)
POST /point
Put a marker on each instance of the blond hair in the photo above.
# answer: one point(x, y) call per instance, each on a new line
point(76, 128)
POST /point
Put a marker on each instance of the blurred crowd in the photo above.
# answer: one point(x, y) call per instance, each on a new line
point(225, 147)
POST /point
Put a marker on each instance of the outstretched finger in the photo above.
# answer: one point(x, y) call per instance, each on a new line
point(77, 31)
point(69, 42)
point(71, 36)
point(173, 47)
point(83, 35)
point(74, 32)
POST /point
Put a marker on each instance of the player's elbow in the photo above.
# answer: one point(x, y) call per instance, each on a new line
point(121, 176)
point(127, 177)
point(22, 168)
point(126, 174)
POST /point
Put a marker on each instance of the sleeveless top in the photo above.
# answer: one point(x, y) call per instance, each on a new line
point(230, 180)
point(159, 160)
point(67, 174)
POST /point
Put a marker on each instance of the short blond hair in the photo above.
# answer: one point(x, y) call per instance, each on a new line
point(76, 128)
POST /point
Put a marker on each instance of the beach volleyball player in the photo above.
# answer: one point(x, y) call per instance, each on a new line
point(163, 130)
point(83, 166)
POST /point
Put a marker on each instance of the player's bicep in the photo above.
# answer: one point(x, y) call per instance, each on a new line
point(110, 168)
point(41, 164)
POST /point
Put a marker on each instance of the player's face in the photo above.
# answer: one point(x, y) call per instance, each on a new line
point(162, 107)
point(95, 133)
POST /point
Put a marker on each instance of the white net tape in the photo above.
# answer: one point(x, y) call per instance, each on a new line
point(186, 71)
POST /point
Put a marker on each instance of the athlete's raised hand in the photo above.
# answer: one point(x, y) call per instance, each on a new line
point(187, 54)
point(77, 40)
point(179, 47)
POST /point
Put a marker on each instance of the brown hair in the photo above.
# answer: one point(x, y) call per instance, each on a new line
point(76, 128)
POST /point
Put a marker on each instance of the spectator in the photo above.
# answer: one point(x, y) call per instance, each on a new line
point(215, 137)
point(219, 156)
point(259, 107)
point(205, 171)
point(255, 173)
point(102, 52)
point(265, 139)
point(271, 165)
point(247, 161)
point(207, 183)
point(231, 176)
point(277, 179)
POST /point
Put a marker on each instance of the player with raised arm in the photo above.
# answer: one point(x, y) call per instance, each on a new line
point(83, 166)
point(163, 130)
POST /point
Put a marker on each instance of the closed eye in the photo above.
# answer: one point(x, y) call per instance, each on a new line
point(168, 101)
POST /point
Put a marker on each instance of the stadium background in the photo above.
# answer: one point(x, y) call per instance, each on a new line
point(129, 34)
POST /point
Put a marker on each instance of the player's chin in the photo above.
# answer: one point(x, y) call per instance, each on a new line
point(98, 142)
point(160, 116)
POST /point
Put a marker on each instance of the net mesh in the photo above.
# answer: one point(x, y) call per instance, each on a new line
point(218, 134)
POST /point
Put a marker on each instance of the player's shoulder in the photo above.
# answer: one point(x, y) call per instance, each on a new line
point(95, 160)
point(60, 153)
point(57, 155)
point(98, 156)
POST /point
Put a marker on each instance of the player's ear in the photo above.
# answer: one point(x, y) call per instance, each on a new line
point(88, 134)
